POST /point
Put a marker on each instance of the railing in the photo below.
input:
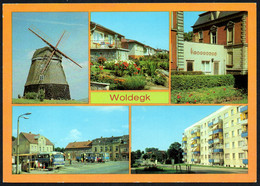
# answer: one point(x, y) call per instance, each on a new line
point(244, 134)
point(211, 141)
point(217, 131)
point(100, 44)
point(244, 122)
point(211, 160)
point(218, 140)
point(217, 150)
point(244, 147)
point(245, 161)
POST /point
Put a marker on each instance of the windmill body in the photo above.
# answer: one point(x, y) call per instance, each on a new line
point(46, 71)
point(52, 80)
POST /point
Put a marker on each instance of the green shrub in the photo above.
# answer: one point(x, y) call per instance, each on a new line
point(159, 80)
point(134, 83)
point(200, 81)
point(31, 95)
point(41, 95)
point(164, 65)
point(187, 73)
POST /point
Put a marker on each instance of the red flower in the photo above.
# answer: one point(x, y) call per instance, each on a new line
point(135, 72)
point(208, 93)
point(138, 69)
point(190, 95)
point(91, 63)
point(178, 96)
point(224, 89)
point(195, 101)
point(187, 102)
point(135, 65)
point(213, 91)
point(100, 67)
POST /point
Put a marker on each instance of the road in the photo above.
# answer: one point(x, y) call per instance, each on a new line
point(112, 167)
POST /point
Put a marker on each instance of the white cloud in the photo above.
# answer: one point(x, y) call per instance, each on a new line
point(74, 135)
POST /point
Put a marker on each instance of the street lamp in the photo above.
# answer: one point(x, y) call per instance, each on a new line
point(17, 144)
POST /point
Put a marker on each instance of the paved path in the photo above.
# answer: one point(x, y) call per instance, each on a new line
point(112, 167)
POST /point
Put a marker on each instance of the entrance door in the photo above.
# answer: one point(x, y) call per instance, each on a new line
point(189, 65)
point(216, 68)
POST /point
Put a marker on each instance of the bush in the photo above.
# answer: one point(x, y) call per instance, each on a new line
point(187, 73)
point(41, 95)
point(31, 95)
point(200, 81)
point(101, 60)
point(159, 80)
point(134, 83)
point(164, 65)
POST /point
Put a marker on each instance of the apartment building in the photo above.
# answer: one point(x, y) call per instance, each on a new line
point(218, 139)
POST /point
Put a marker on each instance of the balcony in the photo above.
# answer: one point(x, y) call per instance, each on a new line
point(217, 131)
point(211, 160)
point(217, 121)
point(217, 140)
point(184, 142)
point(100, 44)
point(210, 124)
point(196, 152)
point(243, 109)
point(184, 139)
point(244, 134)
point(192, 160)
point(210, 150)
point(244, 122)
point(195, 138)
point(184, 153)
point(245, 161)
point(217, 160)
point(217, 150)
point(210, 133)
point(211, 141)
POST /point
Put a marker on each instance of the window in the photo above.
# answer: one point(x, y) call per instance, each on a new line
point(116, 148)
point(213, 37)
point(41, 77)
point(241, 155)
point(226, 125)
point(238, 120)
point(227, 156)
point(233, 144)
point(200, 36)
point(205, 66)
point(226, 145)
point(226, 115)
point(101, 149)
point(227, 135)
point(232, 122)
point(95, 149)
point(239, 132)
point(234, 155)
point(230, 36)
point(110, 39)
point(233, 133)
point(98, 37)
point(110, 148)
point(232, 112)
point(189, 65)
point(240, 143)
point(106, 149)
point(230, 59)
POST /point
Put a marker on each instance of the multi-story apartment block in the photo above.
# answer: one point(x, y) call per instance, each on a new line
point(218, 139)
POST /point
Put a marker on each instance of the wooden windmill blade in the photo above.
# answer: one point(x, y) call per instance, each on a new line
point(55, 49)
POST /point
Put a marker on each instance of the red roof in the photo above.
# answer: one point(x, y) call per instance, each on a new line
point(81, 144)
point(32, 138)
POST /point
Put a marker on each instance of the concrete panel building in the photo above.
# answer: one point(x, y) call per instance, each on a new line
point(218, 139)
point(32, 143)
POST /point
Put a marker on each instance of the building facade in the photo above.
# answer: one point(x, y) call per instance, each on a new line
point(177, 38)
point(32, 143)
point(75, 149)
point(106, 43)
point(117, 147)
point(228, 28)
point(218, 139)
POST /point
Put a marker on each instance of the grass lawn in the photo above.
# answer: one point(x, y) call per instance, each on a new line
point(33, 101)
point(224, 94)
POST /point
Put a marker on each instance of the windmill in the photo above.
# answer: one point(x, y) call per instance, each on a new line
point(46, 71)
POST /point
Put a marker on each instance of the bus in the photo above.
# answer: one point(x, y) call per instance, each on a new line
point(51, 160)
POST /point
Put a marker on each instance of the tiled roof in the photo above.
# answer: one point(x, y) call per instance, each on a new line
point(132, 41)
point(81, 144)
point(206, 17)
point(93, 24)
point(32, 138)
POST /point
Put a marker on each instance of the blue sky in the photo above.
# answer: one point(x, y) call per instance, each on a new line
point(65, 124)
point(160, 126)
point(52, 24)
point(189, 20)
point(150, 28)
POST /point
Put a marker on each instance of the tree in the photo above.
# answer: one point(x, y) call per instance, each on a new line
point(188, 36)
point(133, 157)
point(145, 156)
point(138, 154)
point(152, 149)
point(58, 149)
point(175, 152)
point(13, 138)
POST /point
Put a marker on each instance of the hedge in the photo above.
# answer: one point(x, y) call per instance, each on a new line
point(180, 82)
point(187, 73)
